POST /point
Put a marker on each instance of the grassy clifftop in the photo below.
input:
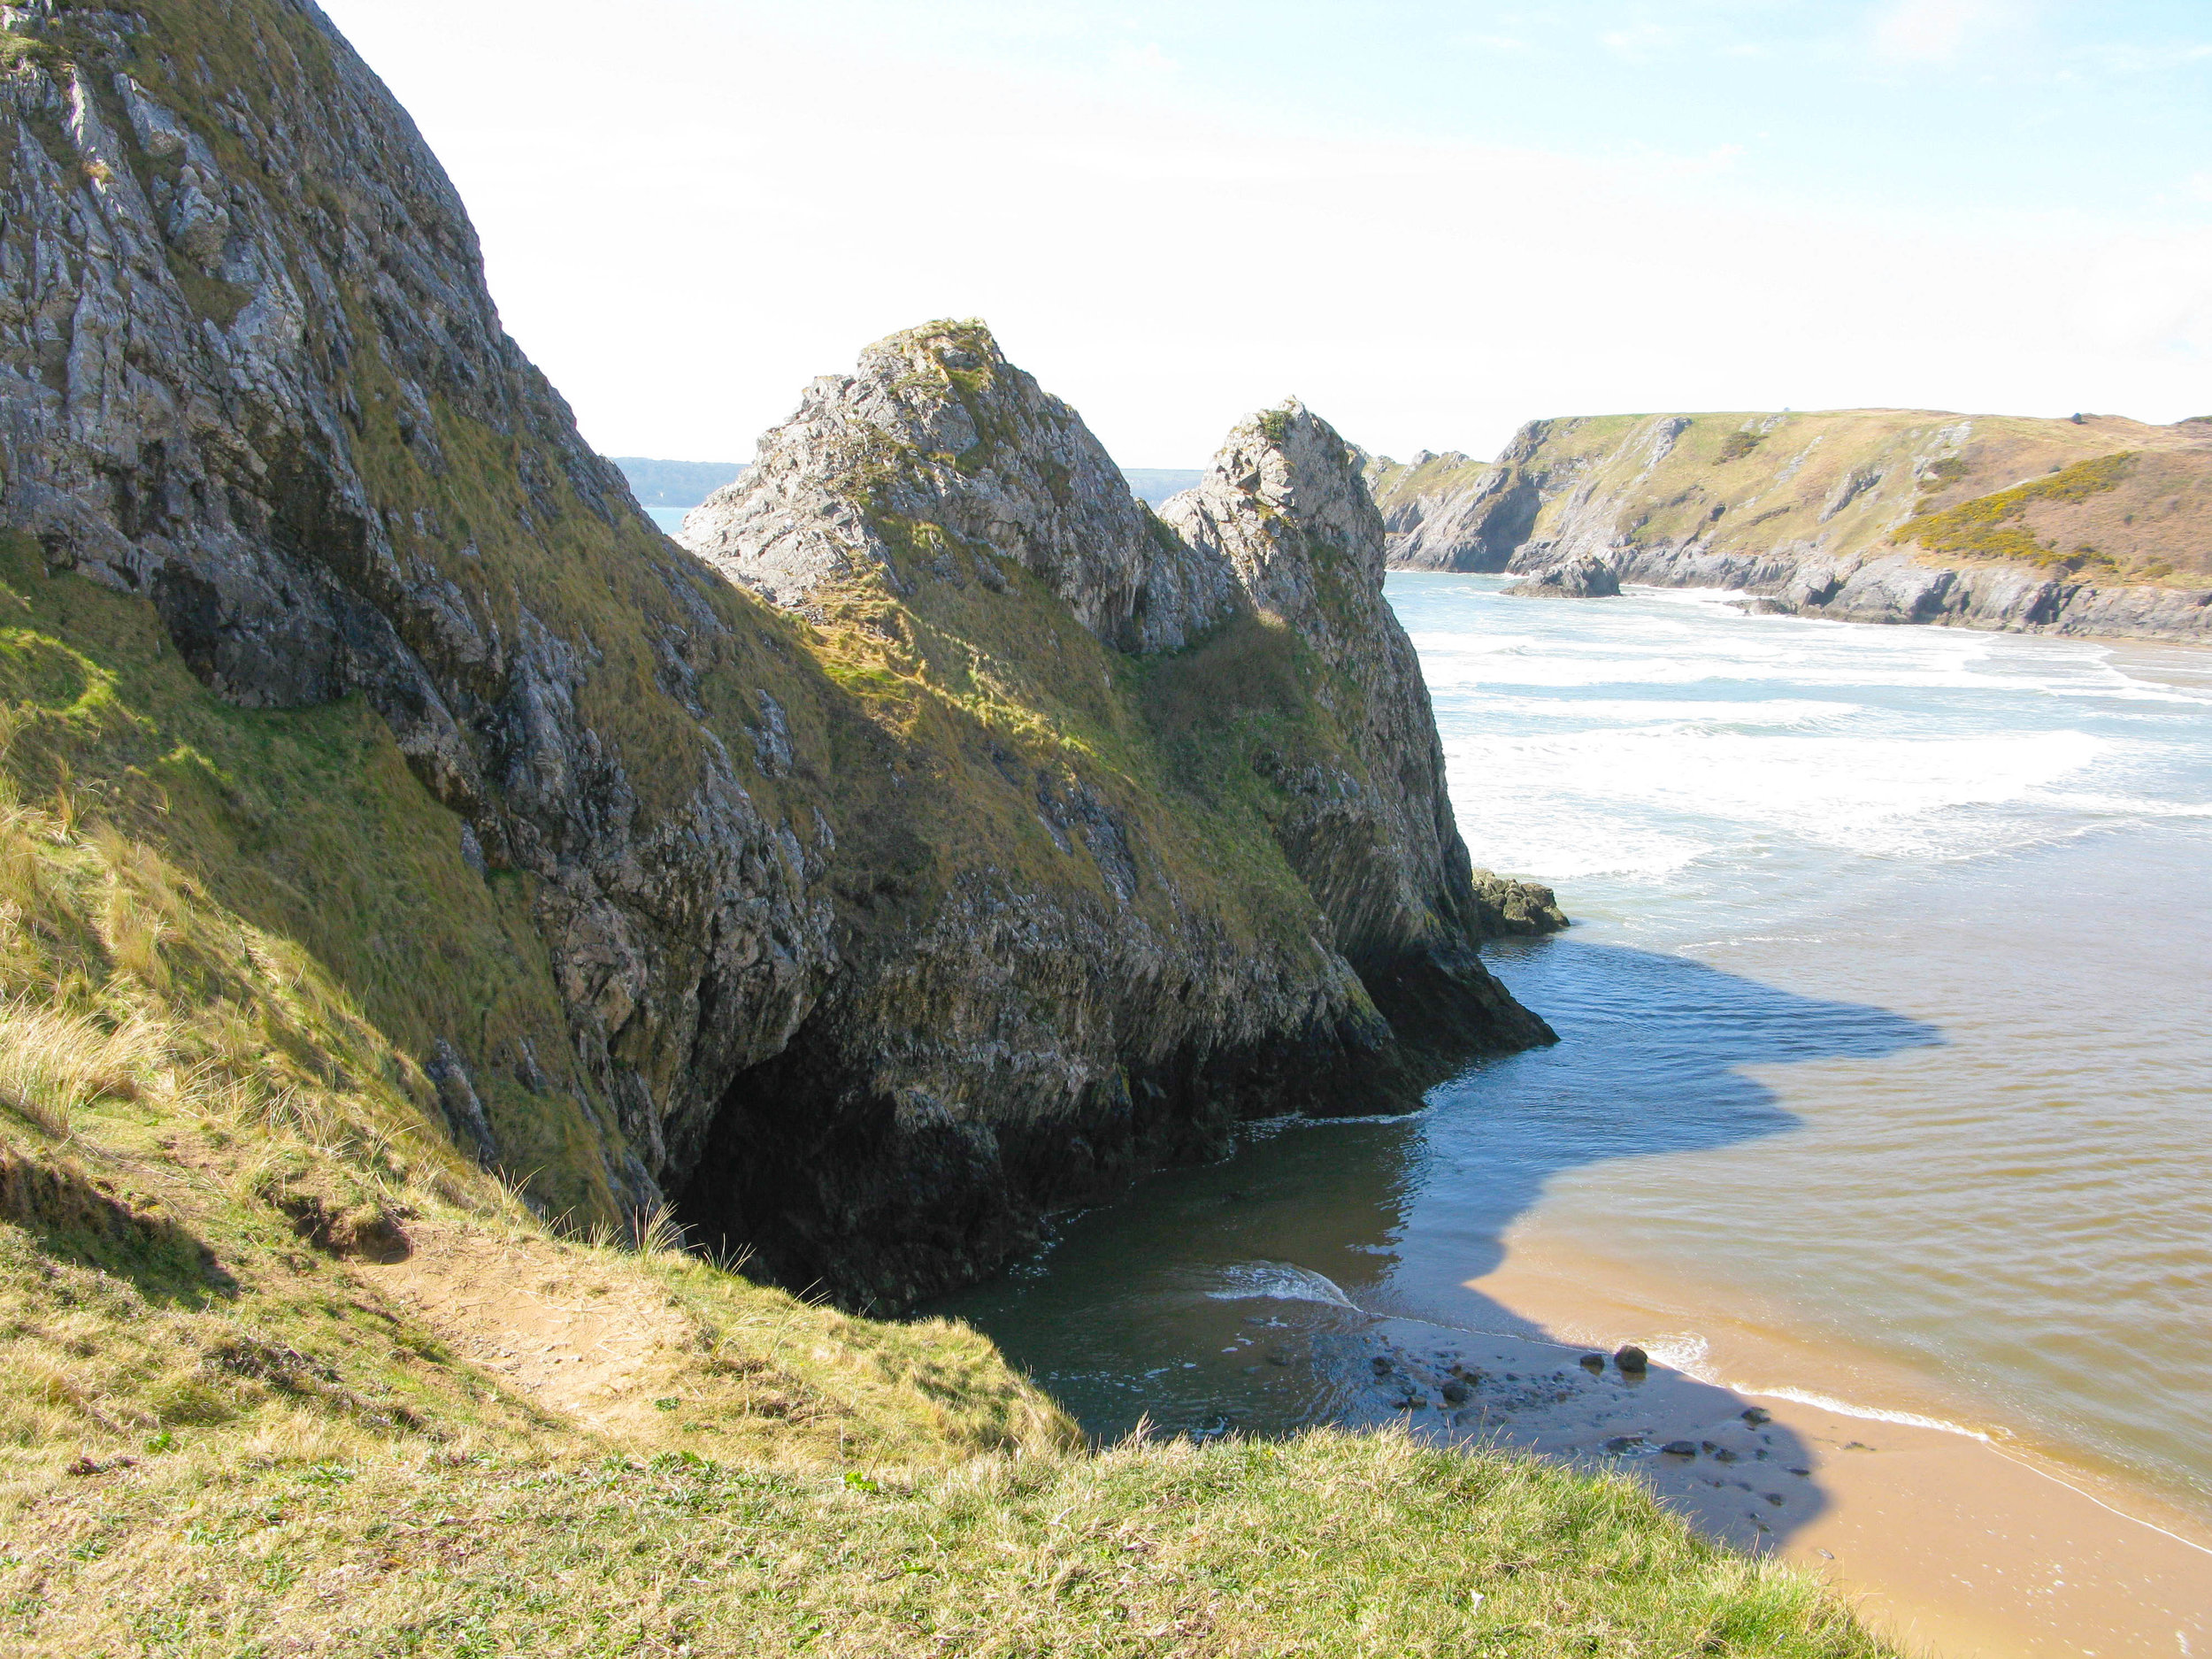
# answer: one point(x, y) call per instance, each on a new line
point(1838, 482)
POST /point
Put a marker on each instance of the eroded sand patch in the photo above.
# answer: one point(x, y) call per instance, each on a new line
point(583, 1343)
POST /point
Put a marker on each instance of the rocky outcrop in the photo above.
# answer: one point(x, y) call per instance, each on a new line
point(1513, 909)
point(951, 839)
point(933, 448)
point(1579, 576)
point(1287, 516)
point(1024, 1042)
point(1814, 515)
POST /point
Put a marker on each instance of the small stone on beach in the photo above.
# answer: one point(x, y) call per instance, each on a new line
point(1756, 1416)
point(1632, 1360)
point(1680, 1448)
point(1594, 1362)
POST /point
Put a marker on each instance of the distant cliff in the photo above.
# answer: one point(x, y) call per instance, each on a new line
point(2091, 526)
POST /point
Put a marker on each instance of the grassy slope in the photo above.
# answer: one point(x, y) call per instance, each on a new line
point(223, 1437)
point(227, 932)
point(1393, 482)
point(1332, 1544)
point(1774, 475)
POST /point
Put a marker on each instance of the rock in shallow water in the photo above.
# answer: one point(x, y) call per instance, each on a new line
point(1585, 577)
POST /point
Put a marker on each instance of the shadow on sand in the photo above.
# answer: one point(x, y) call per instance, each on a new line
point(1272, 1291)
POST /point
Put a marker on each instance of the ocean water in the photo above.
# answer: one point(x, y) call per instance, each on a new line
point(1884, 1074)
point(671, 519)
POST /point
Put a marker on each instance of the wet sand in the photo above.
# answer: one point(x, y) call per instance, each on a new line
point(1951, 1541)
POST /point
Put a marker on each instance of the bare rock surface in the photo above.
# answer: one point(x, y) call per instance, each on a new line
point(1580, 576)
point(1128, 1017)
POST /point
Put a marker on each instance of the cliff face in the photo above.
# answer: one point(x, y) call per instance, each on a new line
point(1184, 851)
point(250, 371)
point(2091, 526)
point(985, 840)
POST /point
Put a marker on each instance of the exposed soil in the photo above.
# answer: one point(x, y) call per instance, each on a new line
point(577, 1342)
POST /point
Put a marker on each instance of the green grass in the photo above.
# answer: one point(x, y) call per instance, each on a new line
point(1330, 1543)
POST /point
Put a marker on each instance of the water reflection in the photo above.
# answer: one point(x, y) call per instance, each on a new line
point(1321, 1274)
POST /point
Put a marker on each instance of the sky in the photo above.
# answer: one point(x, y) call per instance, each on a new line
point(1431, 220)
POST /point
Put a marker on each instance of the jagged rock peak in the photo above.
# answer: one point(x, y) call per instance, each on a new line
point(1286, 510)
point(935, 459)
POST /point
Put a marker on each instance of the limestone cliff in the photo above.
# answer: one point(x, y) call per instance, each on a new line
point(1192, 856)
point(2091, 526)
point(250, 371)
point(983, 842)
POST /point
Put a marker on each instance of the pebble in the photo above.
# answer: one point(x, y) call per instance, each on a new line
point(1454, 1392)
point(1756, 1416)
point(1632, 1360)
point(1382, 1366)
point(1680, 1448)
point(1594, 1362)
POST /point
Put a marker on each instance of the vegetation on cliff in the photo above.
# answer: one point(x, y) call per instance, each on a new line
point(406, 854)
point(241, 1418)
point(1990, 527)
point(1839, 483)
point(2092, 525)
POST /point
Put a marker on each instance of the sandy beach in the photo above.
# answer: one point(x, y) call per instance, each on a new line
point(1955, 1540)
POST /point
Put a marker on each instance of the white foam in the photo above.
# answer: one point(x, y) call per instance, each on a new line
point(1869, 1414)
point(1279, 1281)
point(1683, 1351)
point(1646, 800)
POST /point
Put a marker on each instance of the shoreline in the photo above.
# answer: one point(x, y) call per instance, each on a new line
point(1760, 602)
point(1952, 1538)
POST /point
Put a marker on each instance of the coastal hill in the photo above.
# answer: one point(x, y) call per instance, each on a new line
point(2093, 524)
point(426, 887)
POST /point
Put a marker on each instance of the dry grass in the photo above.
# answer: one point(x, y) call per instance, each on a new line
point(1332, 1544)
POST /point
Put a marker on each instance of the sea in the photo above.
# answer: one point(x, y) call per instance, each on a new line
point(1883, 1076)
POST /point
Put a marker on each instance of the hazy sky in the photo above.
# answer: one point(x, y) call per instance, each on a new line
point(1431, 220)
